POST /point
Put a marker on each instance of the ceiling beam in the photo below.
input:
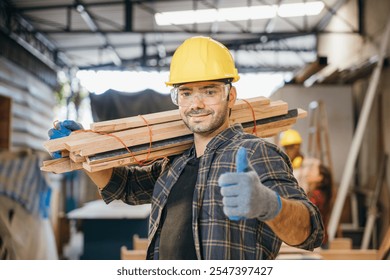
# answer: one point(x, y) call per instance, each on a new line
point(21, 31)
point(87, 4)
point(361, 17)
point(94, 26)
point(128, 65)
point(323, 23)
point(128, 16)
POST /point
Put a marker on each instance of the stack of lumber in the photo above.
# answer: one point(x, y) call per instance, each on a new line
point(156, 135)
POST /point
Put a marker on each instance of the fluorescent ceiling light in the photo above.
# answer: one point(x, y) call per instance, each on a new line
point(238, 13)
point(300, 9)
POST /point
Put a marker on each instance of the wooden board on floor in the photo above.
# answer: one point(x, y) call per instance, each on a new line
point(384, 249)
point(347, 254)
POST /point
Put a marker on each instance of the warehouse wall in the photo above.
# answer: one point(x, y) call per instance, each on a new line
point(27, 113)
point(31, 107)
point(338, 105)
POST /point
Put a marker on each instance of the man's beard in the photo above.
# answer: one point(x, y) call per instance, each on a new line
point(206, 128)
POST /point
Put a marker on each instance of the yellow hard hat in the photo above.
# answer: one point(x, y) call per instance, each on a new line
point(290, 137)
point(201, 59)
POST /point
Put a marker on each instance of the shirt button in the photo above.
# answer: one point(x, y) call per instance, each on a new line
point(180, 168)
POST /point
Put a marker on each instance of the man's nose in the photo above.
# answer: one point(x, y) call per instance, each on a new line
point(197, 101)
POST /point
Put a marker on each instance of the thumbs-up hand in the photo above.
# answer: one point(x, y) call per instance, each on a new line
point(244, 196)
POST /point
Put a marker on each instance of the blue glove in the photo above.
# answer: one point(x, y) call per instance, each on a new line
point(244, 196)
point(62, 129)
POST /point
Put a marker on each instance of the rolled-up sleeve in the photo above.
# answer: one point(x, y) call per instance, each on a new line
point(275, 171)
point(317, 229)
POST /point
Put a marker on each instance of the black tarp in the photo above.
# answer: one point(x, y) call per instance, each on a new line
point(114, 104)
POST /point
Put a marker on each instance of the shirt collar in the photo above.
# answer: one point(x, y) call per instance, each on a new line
point(224, 136)
point(218, 140)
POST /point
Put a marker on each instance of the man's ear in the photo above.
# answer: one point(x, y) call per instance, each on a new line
point(232, 96)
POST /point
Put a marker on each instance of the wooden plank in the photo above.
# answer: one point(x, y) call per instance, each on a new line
point(241, 109)
point(279, 124)
point(302, 113)
point(177, 148)
point(346, 254)
point(138, 136)
point(165, 143)
point(333, 254)
point(254, 101)
point(276, 108)
point(76, 158)
point(65, 153)
point(161, 117)
point(129, 138)
point(133, 161)
point(142, 149)
point(127, 159)
point(132, 254)
point(79, 139)
point(136, 121)
point(59, 144)
point(340, 243)
point(60, 165)
point(140, 243)
point(266, 127)
point(265, 133)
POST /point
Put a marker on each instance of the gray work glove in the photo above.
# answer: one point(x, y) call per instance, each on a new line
point(62, 129)
point(244, 196)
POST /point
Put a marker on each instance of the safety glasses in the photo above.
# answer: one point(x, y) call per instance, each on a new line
point(209, 94)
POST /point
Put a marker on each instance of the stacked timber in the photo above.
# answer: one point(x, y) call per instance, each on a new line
point(141, 139)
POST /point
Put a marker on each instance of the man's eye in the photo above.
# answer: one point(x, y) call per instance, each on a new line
point(210, 92)
point(185, 94)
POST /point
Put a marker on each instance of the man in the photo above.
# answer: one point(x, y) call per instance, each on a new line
point(232, 195)
point(306, 170)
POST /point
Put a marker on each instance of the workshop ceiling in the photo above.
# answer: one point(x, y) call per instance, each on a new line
point(123, 34)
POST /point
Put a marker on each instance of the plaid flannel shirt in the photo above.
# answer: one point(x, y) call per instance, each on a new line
point(215, 236)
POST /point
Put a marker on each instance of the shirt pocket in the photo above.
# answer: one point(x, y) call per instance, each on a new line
point(212, 207)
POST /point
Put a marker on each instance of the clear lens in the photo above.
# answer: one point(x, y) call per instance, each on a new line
point(174, 95)
point(210, 94)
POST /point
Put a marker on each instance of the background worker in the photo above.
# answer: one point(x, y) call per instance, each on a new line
point(303, 166)
point(314, 177)
point(321, 194)
point(232, 195)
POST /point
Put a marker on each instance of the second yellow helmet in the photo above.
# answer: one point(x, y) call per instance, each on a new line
point(290, 137)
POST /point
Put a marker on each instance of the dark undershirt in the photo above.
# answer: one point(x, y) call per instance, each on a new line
point(176, 239)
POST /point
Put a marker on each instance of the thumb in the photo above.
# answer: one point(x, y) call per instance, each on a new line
point(242, 160)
